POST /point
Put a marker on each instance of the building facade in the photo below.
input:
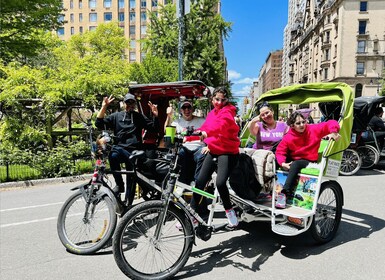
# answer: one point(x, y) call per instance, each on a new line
point(336, 41)
point(131, 15)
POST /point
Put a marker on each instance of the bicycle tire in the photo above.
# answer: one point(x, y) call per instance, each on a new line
point(350, 162)
point(369, 156)
point(137, 253)
point(86, 236)
point(328, 212)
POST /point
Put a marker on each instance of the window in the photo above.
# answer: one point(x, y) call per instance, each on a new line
point(121, 4)
point(327, 54)
point(81, 29)
point(132, 17)
point(93, 17)
point(92, 28)
point(327, 37)
point(143, 3)
point(363, 6)
point(362, 27)
point(92, 4)
point(107, 3)
point(71, 4)
point(81, 17)
point(132, 44)
point(326, 70)
point(121, 16)
point(71, 17)
point(108, 16)
point(143, 29)
point(80, 4)
point(132, 4)
point(143, 17)
point(132, 56)
point(358, 92)
point(360, 69)
point(154, 3)
point(361, 46)
point(60, 31)
point(132, 30)
point(72, 30)
point(61, 18)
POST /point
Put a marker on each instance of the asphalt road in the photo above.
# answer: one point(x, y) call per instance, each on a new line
point(30, 248)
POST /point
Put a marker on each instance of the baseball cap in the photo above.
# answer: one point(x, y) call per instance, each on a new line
point(128, 96)
point(186, 103)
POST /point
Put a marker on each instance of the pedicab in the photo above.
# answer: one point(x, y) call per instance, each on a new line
point(154, 239)
point(364, 151)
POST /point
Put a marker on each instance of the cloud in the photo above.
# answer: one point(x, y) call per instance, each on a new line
point(233, 75)
point(245, 91)
point(245, 81)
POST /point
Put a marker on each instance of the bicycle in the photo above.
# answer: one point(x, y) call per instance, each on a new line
point(88, 218)
point(154, 239)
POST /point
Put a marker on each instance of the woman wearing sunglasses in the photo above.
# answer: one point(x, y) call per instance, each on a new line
point(220, 134)
point(299, 147)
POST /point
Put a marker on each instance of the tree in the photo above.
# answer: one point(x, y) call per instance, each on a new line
point(154, 70)
point(203, 57)
point(77, 73)
point(21, 24)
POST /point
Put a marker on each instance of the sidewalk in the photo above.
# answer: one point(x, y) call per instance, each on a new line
point(32, 183)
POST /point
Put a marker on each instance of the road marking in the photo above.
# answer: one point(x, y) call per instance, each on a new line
point(28, 222)
point(29, 207)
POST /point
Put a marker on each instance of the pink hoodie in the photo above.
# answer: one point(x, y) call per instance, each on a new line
point(295, 145)
point(222, 131)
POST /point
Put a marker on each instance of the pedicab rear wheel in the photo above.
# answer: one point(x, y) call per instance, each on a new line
point(328, 213)
point(350, 162)
point(369, 156)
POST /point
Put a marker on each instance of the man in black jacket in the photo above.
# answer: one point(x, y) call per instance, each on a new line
point(127, 127)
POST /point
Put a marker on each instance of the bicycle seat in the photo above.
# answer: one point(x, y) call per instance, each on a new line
point(136, 154)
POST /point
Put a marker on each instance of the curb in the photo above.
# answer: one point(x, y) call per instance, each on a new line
point(32, 183)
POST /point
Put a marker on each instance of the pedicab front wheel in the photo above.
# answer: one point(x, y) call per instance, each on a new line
point(350, 162)
point(328, 213)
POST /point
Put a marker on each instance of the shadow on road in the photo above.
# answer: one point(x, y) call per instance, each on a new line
point(259, 243)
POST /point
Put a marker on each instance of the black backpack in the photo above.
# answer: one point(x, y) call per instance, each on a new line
point(242, 179)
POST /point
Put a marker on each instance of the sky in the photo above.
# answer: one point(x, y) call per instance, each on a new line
point(257, 29)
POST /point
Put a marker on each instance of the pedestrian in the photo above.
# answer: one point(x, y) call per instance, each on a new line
point(299, 147)
point(220, 134)
point(127, 127)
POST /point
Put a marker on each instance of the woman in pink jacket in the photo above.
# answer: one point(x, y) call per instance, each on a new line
point(220, 134)
point(299, 147)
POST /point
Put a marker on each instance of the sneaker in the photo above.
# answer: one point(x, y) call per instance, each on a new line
point(296, 221)
point(281, 201)
point(232, 217)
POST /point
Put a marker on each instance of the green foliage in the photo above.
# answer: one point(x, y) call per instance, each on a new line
point(204, 29)
point(21, 23)
point(154, 70)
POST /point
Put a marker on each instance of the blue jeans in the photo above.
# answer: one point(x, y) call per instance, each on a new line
point(191, 164)
point(117, 156)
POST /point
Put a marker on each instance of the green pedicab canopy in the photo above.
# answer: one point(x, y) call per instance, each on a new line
point(315, 93)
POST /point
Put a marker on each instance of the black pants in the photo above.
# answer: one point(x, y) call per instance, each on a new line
point(291, 179)
point(226, 164)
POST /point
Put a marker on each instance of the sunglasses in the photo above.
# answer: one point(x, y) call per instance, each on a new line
point(186, 107)
point(263, 104)
point(299, 123)
point(220, 99)
point(130, 102)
